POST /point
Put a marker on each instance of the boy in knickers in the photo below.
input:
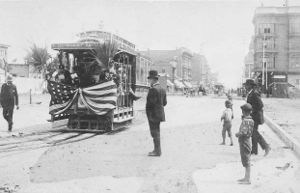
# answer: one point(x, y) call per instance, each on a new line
point(227, 117)
point(244, 136)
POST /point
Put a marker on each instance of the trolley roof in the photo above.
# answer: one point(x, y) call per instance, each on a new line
point(82, 46)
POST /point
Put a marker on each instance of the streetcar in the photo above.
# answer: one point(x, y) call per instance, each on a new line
point(94, 95)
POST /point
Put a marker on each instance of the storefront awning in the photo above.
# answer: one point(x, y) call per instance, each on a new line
point(188, 84)
point(178, 84)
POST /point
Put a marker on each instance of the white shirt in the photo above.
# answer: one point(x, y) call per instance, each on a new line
point(227, 115)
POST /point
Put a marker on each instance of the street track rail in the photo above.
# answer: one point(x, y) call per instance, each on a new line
point(38, 140)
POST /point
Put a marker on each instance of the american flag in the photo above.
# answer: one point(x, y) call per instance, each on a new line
point(62, 97)
point(100, 98)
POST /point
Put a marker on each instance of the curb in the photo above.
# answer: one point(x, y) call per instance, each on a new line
point(290, 141)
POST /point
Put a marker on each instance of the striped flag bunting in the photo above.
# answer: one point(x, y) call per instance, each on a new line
point(100, 98)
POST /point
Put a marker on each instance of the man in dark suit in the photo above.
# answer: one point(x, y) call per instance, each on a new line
point(253, 98)
point(156, 100)
point(9, 98)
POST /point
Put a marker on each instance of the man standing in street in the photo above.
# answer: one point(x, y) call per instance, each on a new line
point(156, 100)
point(253, 98)
point(9, 98)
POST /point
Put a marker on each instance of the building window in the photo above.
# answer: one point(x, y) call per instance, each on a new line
point(294, 28)
point(266, 43)
point(265, 28)
point(295, 61)
point(294, 44)
point(142, 75)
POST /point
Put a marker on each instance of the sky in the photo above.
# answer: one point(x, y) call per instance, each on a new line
point(220, 30)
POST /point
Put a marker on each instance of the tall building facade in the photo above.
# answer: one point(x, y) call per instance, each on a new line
point(185, 64)
point(199, 67)
point(206, 74)
point(277, 45)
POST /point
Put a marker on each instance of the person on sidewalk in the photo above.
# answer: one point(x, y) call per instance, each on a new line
point(244, 135)
point(253, 98)
point(8, 99)
point(227, 117)
point(156, 100)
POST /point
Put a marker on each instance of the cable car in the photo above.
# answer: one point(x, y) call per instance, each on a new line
point(93, 88)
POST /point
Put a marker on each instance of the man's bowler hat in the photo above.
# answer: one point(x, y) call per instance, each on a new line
point(246, 107)
point(9, 78)
point(153, 74)
point(250, 82)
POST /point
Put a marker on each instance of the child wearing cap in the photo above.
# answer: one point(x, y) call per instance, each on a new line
point(244, 135)
point(227, 117)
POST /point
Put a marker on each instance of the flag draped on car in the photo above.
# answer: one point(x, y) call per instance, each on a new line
point(100, 98)
point(62, 97)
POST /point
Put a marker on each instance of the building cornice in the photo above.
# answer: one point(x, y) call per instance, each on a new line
point(276, 12)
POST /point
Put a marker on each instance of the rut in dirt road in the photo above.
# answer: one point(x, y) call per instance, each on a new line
point(40, 140)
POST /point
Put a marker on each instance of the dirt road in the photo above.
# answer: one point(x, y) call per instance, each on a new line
point(192, 159)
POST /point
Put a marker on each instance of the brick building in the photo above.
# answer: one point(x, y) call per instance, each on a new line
point(176, 64)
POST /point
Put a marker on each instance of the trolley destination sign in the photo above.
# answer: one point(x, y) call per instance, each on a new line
point(75, 46)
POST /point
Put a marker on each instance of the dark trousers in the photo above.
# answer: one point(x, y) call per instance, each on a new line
point(257, 138)
point(8, 115)
point(155, 133)
point(154, 129)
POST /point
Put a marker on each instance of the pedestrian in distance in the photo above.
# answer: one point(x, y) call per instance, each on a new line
point(227, 117)
point(229, 97)
point(253, 98)
point(244, 135)
point(156, 100)
point(8, 99)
